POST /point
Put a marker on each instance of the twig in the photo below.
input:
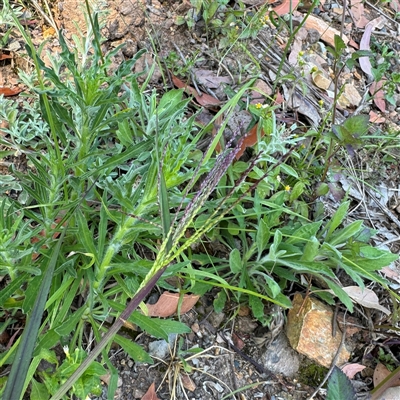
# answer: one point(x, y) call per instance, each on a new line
point(339, 350)
point(381, 12)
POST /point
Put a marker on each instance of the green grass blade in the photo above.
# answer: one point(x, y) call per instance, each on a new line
point(16, 380)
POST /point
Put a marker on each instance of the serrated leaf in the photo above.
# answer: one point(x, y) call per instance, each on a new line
point(357, 124)
point(339, 386)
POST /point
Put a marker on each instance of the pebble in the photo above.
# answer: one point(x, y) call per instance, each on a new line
point(326, 18)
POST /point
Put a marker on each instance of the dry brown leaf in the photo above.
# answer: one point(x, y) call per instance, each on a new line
point(380, 373)
point(366, 298)
point(203, 99)
point(378, 94)
point(151, 393)
point(187, 382)
point(249, 140)
point(390, 390)
point(261, 89)
point(350, 96)
point(358, 13)
point(5, 56)
point(392, 274)
point(376, 119)
point(9, 92)
point(167, 304)
point(210, 79)
point(352, 369)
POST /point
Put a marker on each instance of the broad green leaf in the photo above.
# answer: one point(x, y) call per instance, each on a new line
point(310, 267)
point(235, 261)
point(219, 301)
point(134, 351)
point(357, 124)
point(289, 170)
point(170, 326)
point(257, 307)
point(341, 236)
point(339, 386)
point(71, 322)
point(304, 232)
point(310, 249)
point(95, 368)
point(86, 236)
point(273, 286)
point(296, 191)
point(149, 325)
point(38, 391)
point(339, 44)
point(337, 219)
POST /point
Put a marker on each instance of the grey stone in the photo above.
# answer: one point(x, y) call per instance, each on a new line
point(280, 358)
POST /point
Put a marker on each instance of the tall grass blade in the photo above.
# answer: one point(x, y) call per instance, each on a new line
point(16, 379)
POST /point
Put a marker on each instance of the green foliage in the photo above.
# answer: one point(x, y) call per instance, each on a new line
point(340, 387)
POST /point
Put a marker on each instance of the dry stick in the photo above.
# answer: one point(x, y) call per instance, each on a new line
point(381, 12)
point(339, 350)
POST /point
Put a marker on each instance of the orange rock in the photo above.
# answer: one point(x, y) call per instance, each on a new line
point(309, 330)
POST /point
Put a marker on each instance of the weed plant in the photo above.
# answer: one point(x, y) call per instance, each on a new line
point(117, 194)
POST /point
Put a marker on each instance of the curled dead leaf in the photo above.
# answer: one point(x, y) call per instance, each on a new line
point(352, 369)
point(366, 298)
point(9, 92)
point(203, 99)
point(187, 382)
point(167, 304)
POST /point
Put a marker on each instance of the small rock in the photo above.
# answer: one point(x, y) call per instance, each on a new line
point(309, 330)
point(280, 358)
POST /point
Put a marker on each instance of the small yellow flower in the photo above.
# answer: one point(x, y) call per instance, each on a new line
point(258, 105)
point(301, 53)
point(287, 188)
point(314, 69)
point(321, 102)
